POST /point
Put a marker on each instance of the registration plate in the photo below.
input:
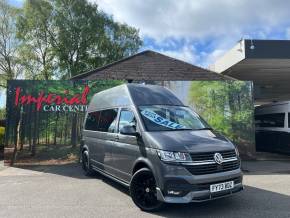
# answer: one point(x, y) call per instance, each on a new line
point(222, 186)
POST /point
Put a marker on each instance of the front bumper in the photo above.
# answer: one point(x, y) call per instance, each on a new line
point(199, 196)
point(178, 185)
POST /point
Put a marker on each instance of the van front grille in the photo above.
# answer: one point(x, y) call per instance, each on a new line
point(210, 166)
point(213, 168)
point(209, 155)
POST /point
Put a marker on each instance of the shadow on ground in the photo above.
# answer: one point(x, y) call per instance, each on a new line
point(252, 202)
point(73, 170)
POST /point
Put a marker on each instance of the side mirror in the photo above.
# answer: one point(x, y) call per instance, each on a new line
point(128, 130)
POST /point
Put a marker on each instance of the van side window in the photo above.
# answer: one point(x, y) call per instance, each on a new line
point(127, 118)
point(108, 120)
point(270, 120)
point(92, 121)
point(104, 121)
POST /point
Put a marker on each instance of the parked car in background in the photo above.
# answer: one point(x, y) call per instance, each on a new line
point(144, 137)
point(273, 127)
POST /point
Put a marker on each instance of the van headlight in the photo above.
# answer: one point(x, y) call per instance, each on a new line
point(169, 156)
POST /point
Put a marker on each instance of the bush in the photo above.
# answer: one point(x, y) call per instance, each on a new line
point(2, 133)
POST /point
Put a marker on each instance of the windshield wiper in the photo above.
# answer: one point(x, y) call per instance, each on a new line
point(184, 129)
point(205, 128)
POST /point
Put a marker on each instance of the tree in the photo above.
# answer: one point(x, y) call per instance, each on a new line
point(10, 67)
point(59, 39)
point(36, 48)
point(121, 41)
point(227, 106)
point(62, 38)
point(86, 38)
point(9, 61)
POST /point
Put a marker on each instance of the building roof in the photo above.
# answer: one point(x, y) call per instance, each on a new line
point(265, 62)
point(150, 65)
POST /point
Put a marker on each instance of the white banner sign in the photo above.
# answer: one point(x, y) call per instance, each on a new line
point(161, 120)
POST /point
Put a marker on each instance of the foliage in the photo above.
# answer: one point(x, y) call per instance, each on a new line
point(9, 60)
point(2, 113)
point(59, 39)
point(2, 133)
point(84, 37)
point(36, 49)
point(225, 105)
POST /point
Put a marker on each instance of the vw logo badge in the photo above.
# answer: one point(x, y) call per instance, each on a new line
point(218, 158)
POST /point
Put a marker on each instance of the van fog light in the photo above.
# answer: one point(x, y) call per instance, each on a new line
point(172, 192)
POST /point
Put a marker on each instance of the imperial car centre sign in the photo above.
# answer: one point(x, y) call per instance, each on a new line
point(54, 102)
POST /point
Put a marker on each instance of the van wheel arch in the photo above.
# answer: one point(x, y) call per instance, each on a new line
point(139, 165)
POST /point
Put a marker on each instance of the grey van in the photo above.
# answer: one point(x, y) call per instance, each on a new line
point(145, 138)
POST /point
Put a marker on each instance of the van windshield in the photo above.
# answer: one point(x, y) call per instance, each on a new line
point(166, 118)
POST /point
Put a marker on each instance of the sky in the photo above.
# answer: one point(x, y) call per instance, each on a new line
point(199, 31)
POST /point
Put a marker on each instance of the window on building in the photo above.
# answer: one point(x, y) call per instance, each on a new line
point(127, 118)
point(270, 120)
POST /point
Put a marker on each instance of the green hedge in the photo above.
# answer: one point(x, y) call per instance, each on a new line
point(2, 132)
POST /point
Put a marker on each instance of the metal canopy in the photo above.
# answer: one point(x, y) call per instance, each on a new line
point(265, 62)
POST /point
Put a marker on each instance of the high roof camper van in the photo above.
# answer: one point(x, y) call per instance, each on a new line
point(273, 127)
point(145, 138)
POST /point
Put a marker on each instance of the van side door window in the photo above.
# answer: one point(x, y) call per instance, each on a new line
point(127, 117)
point(103, 121)
point(108, 120)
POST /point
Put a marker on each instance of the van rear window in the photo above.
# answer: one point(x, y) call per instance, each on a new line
point(104, 121)
point(270, 120)
point(92, 121)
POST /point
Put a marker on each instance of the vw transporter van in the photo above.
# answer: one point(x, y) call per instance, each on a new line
point(145, 138)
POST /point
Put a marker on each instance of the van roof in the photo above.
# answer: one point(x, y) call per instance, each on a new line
point(133, 94)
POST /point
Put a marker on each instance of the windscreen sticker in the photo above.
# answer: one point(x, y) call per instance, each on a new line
point(161, 120)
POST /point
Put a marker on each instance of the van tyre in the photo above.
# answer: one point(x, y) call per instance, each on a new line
point(88, 171)
point(143, 190)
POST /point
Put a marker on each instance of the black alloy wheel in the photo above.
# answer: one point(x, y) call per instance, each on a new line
point(143, 190)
